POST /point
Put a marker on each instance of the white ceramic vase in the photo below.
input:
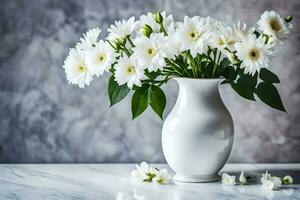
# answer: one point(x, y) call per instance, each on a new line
point(197, 135)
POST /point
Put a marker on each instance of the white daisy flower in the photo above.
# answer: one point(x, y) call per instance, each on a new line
point(121, 28)
point(253, 53)
point(193, 33)
point(150, 52)
point(161, 177)
point(241, 31)
point(270, 182)
point(140, 174)
point(149, 19)
point(272, 24)
point(128, 72)
point(100, 58)
point(223, 38)
point(228, 180)
point(89, 39)
point(174, 45)
point(76, 69)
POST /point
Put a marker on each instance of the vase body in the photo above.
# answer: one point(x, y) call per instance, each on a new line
point(197, 135)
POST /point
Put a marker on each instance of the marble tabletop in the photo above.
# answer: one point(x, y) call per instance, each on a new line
point(113, 181)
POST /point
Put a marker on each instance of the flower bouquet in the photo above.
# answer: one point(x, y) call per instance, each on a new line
point(198, 53)
point(143, 55)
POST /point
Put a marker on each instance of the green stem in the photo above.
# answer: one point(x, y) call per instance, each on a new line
point(126, 51)
point(215, 64)
point(163, 29)
point(130, 41)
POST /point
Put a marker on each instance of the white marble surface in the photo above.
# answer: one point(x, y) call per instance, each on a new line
point(112, 181)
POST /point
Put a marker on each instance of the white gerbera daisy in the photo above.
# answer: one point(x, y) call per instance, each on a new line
point(241, 31)
point(150, 52)
point(193, 33)
point(149, 20)
point(100, 58)
point(161, 176)
point(253, 53)
point(223, 38)
point(174, 45)
point(272, 24)
point(89, 39)
point(76, 69)
point(128, 72)
point(122, 28)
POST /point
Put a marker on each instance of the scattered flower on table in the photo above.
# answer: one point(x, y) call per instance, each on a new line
point(228, 180)
point(162, 177)
point(270, 182)
point(145, 173)
point(287, 180)
point(243, 179)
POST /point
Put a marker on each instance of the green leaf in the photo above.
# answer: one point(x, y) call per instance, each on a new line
point(228, 73)
point(140, 101)
point(256, 33)
point(208, 69)
point(268, 76)
point(269, 95)
point(152, 75)
point(116, 92)
point(245, 86)
point(225, 63)
point(157, 100)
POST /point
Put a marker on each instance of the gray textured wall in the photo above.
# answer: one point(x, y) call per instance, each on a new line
point(43, 119)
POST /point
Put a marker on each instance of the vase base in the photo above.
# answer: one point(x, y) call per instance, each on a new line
point(196, 179)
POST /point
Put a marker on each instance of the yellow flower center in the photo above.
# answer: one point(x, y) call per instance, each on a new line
point(221, 42)
point(102, 58)
point(254, 54)
point(194, 35)
point(81, 68)
point(151, 51)
point(275, 25)
point(130, 70)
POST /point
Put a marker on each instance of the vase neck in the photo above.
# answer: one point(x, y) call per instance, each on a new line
point(201, 92)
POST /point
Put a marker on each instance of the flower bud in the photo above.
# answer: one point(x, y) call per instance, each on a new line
point(287, 180)
point(232, 58)
point(121, 41)
point(146, 30)
point(115, 44)
point(288, 19)
point(158, 17)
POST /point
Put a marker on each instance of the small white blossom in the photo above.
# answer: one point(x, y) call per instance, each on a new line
point(242, 178)
point(150, 52)
point(174, 45)
point(141, 171)
point(270, 182)
point(100, 58)
point(254, 53)
point(77, 71)
point(272, 24)
point(224, 38)
point(122, 28)
point(193, 33)
point(128, 72)
point(241, 31)
point(161, 177)
point(89, 39)
point(228, 180)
